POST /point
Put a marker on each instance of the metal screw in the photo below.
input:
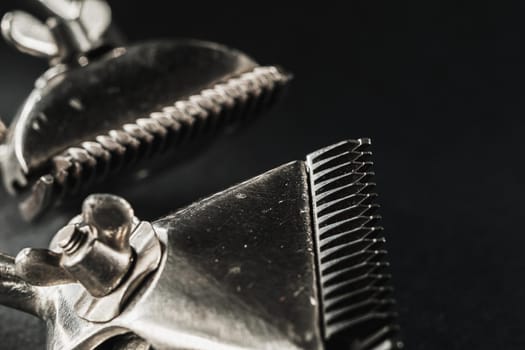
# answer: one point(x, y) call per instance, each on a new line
point(75, 237)
point(96, 251)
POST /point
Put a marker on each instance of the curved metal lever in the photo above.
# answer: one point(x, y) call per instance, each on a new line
point(15, 292)
point(41, 267)
point(72, 28)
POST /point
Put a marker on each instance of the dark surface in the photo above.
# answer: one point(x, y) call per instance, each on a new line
point(437, 86)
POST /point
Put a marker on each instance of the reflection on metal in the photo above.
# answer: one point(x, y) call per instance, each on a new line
point(101, 258)
point(72, 28)
point(291, 259)
point(105, 110)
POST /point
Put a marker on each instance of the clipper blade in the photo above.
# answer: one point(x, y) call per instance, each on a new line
point(357, 302)
point(291, 259)
point(176, 127)
point(105, 109)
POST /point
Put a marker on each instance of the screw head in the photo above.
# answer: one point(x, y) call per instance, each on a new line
point(94, 247)
point(111, 216)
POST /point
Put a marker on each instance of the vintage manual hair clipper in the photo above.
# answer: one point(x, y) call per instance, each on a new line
point(103, 108)
point(291, 259)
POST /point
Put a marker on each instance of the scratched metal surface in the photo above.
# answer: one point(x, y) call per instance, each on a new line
point(438, 88)
point(177, 188)
point(251, 242)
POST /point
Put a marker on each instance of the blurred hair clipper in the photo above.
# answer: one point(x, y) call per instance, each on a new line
point(103, 108)
point(291, 259)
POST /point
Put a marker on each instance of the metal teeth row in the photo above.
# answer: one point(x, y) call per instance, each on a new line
point(219, 108)
point(357, 300)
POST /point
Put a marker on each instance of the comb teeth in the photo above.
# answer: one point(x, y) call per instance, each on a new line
point(212, 110)
point(357, 305)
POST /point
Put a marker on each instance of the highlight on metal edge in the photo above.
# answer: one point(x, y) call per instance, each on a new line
point(291, 259)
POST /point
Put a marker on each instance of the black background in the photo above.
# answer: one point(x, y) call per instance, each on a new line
point(438, 88)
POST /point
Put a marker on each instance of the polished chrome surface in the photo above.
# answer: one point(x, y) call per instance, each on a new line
point(100, 239)
point(72, 29)
point(291, 259)
point(41, 267)
point(81, 263)
point(16, 292)
point(219, 284)
point(28, 34)
point(148, 251)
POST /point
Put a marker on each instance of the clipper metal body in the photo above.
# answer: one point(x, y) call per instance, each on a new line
point(291, 259)
point(104, 108)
